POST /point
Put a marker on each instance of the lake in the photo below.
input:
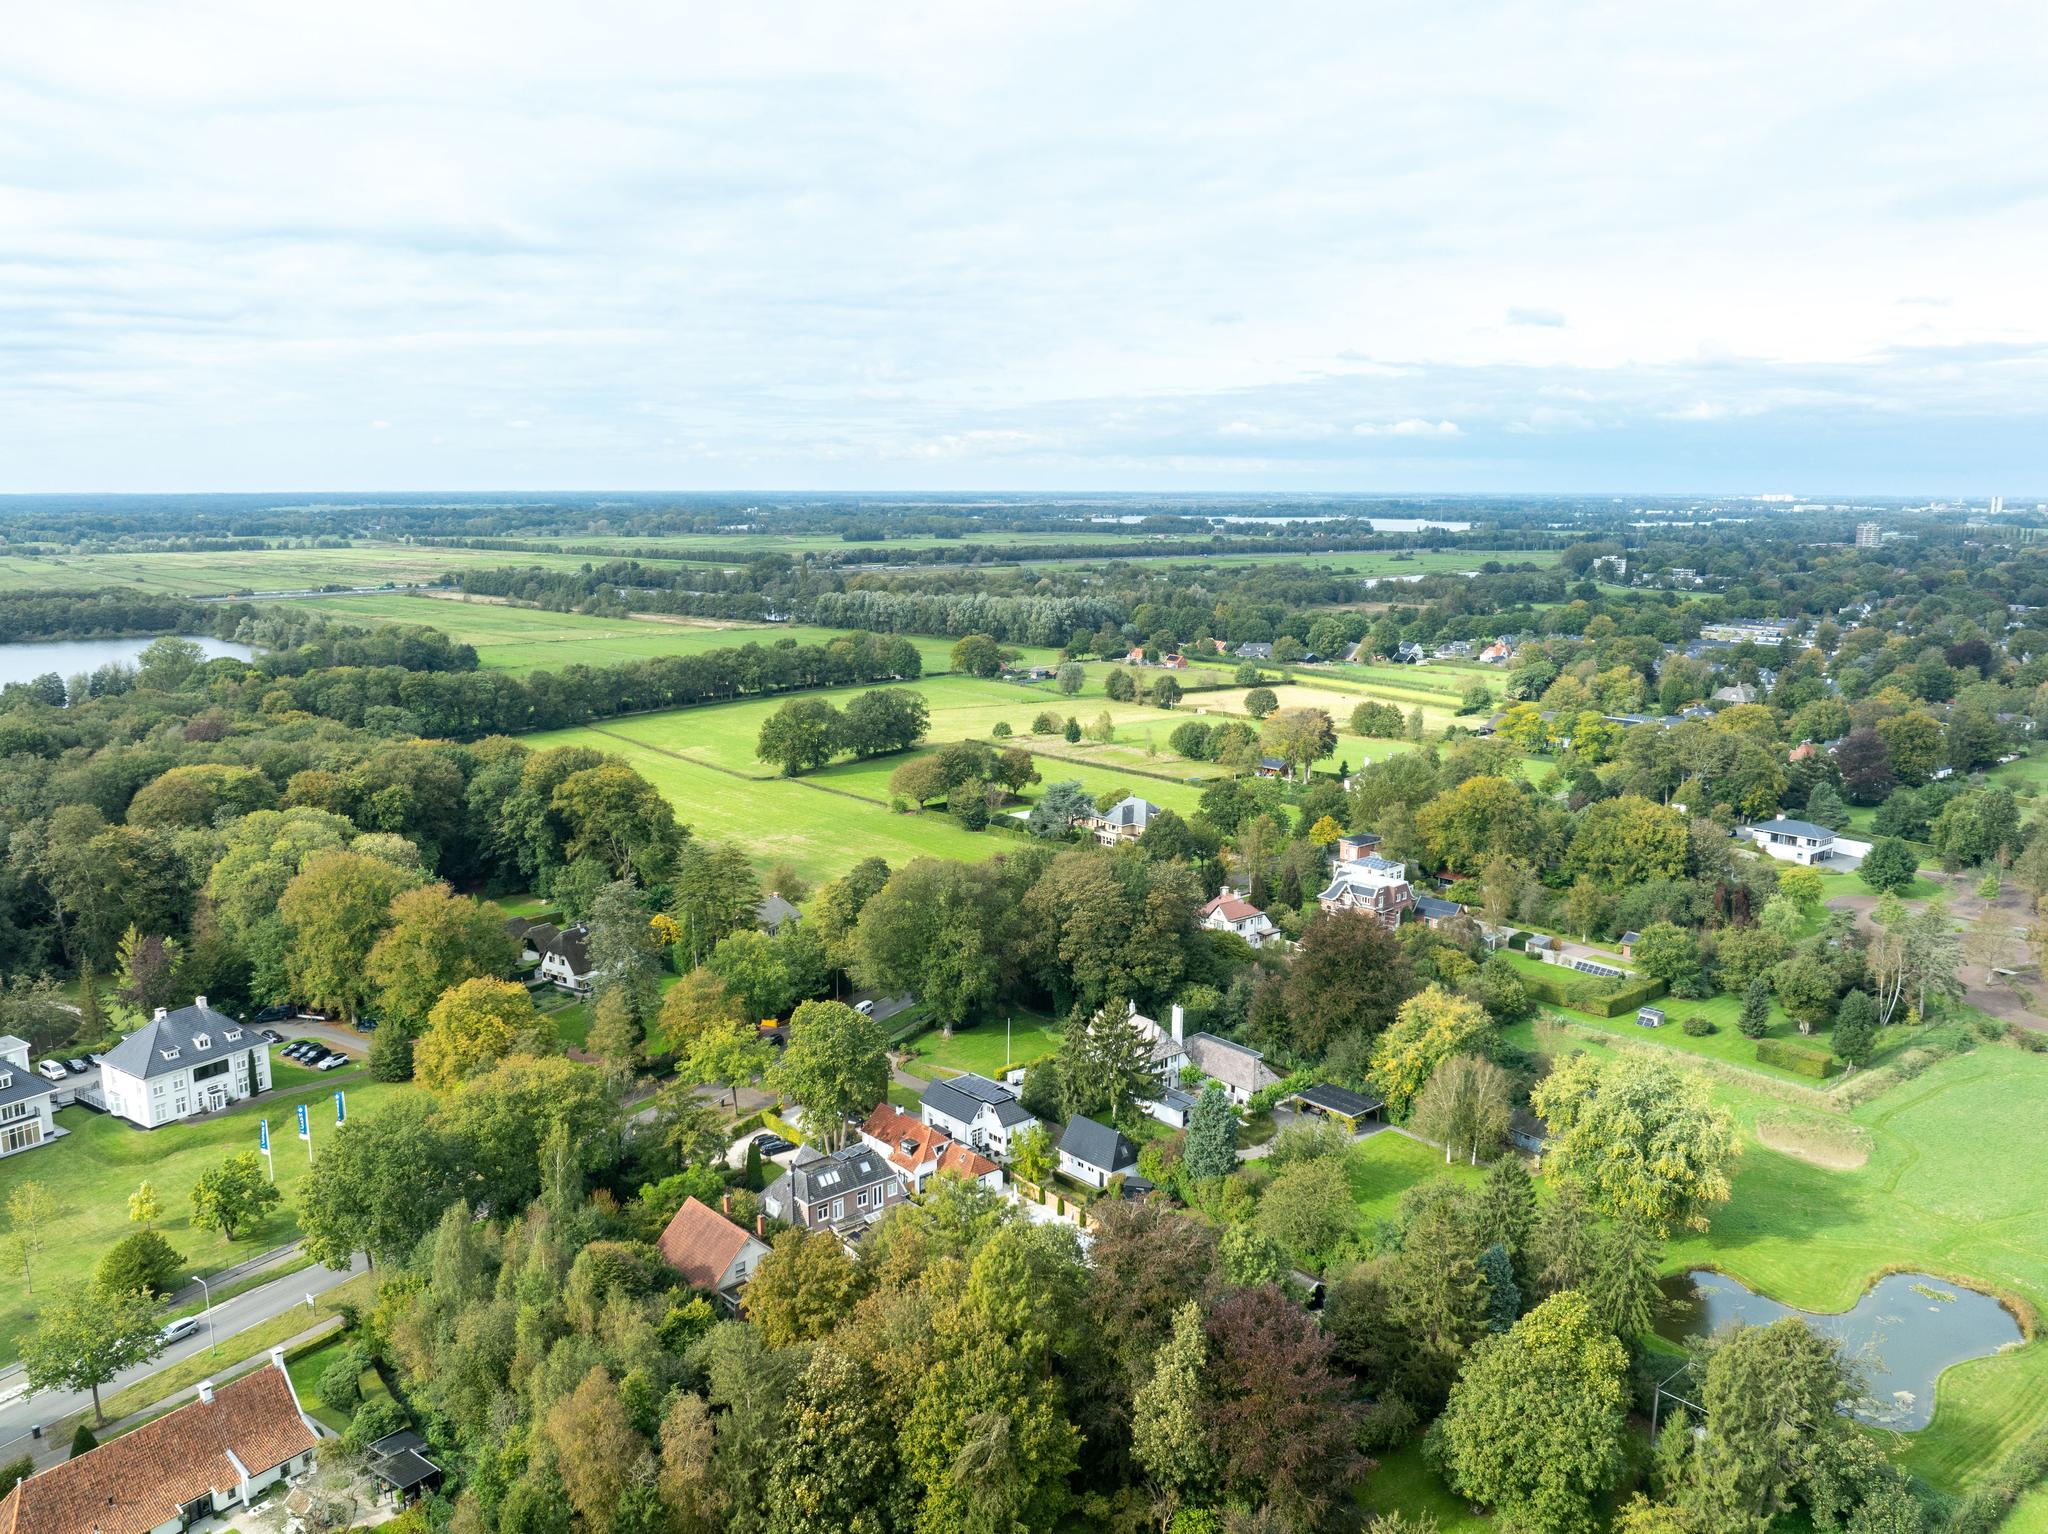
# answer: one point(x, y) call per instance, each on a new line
point(67, 657)
point(1906, 1329)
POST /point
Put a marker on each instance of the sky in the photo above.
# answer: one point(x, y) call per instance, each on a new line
point(1722, 247)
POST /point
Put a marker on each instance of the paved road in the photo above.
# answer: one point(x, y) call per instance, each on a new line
point(19, 1414)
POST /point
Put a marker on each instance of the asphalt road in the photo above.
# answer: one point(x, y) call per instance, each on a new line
point(21, 1413)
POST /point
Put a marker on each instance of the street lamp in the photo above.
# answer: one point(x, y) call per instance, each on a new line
point(208, 1289)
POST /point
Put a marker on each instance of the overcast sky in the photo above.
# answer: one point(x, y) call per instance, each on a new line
point(1770, 247)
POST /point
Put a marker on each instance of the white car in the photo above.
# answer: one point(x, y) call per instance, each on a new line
point(181, 1328)
point(50, 1070)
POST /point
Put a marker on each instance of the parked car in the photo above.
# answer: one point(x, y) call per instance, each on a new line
point(50, 1070)
point(331, 1062)
point(865, 1008)
point(771, 1144)
point(75, 1066)
point(279, 1014)
point(366, 1025)
point(271, 1036)
point(181, 1328)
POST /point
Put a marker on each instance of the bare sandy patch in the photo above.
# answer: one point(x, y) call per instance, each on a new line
point(1834, 1144)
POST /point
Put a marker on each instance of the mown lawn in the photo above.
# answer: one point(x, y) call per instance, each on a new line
point(1386, 1165)
point(91, 1172)
point(983, 1049)
point(305, 1372)
point(1404, 1483)
point(1944, 1190)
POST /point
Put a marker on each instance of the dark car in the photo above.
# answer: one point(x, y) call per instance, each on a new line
point(274, 1015)
point(271, 1036)
point(771, 1144)
point(76, 1067)
point(366, 1025)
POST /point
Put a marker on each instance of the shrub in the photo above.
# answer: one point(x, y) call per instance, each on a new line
point(16, 1471)
point(1797, 1058)
point(143, 1260)
point(1047, 723)
point(82, 1441)
point(1697, 1026)
point(373, 1420)
point(1002, 730)
point(341, 1382)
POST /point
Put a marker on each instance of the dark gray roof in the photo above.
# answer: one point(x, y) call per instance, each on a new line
point(1786, 827)
point(944, 1097)
point(980, 1088)
point(405, 1469)
point(1631, 937)
point(1430, 907)
point(540, 934)
point(1011, 1113)
point(963, 1098)
point(773, 911)
point(1131, 812)
point(1098, 1145)
point(18, 1085)
point(1340, 1100)
point(572, 946)
point(815, 1177)
point(171, 1042)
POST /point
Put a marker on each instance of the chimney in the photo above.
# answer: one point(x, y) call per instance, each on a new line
point(160, 1014)
point(1179, 1018)
point(761, 1226)
point(727, 1203)
point(206, 1390)
point(198, 1001)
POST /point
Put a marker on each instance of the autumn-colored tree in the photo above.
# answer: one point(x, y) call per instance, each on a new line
point(1430, 1028)
point(335, 911)
point(597, 1452)
point(470, 1029)
point(1643, 1135)
point(1481, 817)
point(435, 940)
point(803, 1288)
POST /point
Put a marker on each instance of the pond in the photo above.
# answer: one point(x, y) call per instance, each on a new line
point(67, 657)
point(1906, 1329)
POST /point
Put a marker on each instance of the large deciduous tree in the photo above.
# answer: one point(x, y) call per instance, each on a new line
point(87, 1337)
point(1643, 1135)
point(435, 940)
point(803, 733)
point(1534, 1427)
point(1430, 1028)
point(470, 1029)
point(941, 931)
point(1349, 978)
point(1622, 842)
point(232, 1196)
point(613, 814)
point(836, 1067)
point(335, 911)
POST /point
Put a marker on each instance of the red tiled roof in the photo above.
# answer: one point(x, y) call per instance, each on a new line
point(699, 1243)
point(892, 1127)
point(1232, 907)
point(131, 1484)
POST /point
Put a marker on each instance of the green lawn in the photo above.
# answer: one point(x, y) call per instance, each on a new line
point(981, 1049)
point(305, 1372)
point(224, 572)
point(1404, 1483)
point(1386, 1165)
point(1950, 1187)
point(91, 1172)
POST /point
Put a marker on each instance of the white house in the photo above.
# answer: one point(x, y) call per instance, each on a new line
point(1093, 1153)
point(1231, 912)
point(25, 1100)
point(1238, 1068)
point(918, 1151)
point(193, 1060)
point(1370, 884)
point(1794, 841)
point(198, 1463)
point(566, 959)
point(982, 1113)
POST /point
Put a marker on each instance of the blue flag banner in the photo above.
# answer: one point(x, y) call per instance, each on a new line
point(263, 1136)
point(305, 1131)
point(340, 1108)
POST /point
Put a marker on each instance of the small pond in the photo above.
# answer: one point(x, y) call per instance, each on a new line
point(26, 661)
point(1906, 1329)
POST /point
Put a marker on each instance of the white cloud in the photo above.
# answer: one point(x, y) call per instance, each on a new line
point(822, 239)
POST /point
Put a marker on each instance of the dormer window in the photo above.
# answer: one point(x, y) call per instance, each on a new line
point(6, 1081)
point(231, 1035)
point(202, 1041)
point(169, 1052)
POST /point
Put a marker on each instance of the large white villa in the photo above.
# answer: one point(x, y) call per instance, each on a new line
point(193, 1060)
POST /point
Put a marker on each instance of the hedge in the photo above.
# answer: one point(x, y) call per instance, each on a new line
point(1583, 996)
point(1797, 1058)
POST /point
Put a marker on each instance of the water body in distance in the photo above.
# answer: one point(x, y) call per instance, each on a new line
point(1906, 1329)
point(67, 657)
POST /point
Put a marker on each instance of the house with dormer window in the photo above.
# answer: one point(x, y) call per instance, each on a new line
point(26, 1100)
point(194, 1060)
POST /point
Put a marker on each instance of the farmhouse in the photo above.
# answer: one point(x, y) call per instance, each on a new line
point(193, 1060)
point(1794, 841)
point(710, 1252)
point(25, 1100)
point(842, 1191)
point(207, 1458)
point(1231, 912)
point(985, 1114)
point(566, 959)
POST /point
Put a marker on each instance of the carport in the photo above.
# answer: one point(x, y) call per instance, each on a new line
point(1351, 1109)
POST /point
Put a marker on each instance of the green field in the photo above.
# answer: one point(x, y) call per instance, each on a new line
point(91, 1172)
point(225, 573)
point(531, 639)
point(1386, 1165)
point(1948, 1189)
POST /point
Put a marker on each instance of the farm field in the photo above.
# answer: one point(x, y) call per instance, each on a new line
point(522, 639)
point(1934, 1194)
point(227, 572)
point(91, 1172)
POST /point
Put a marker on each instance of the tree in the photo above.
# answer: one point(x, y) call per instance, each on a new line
point(1627, 841)
point(1642, 1135)
point(1260, 702)
point(1168, 1435)
point(1210, 1149)
point(613, 814)
point(803, 733)
point(1865, 765)
point(1282, 1426)
point(1562, 1252)
point(1504, 1295)
point(143, 1206)
point(1506, 1211)
point(30, 1208)
point(730, 1054)
point(835, 1464)
point(234, 1195)
point(1755, 1020)
point(882, 720)
point(435, 940)
point(716, 893)
point(625, 951)
point(83, 1440)
point(335, 911)
point(1119, 687)
point(1070, 678)
point(1429, 1029)
point(1349, 977)
point(1669, 953)
point(1299, 736)
point(1308, 1208)
point(1534, 1427)
point(1058, 807)
point(1105, 1064)
point(141, 1260)
point(596, 1450)
point(1806, 988)
point(1774, 1426)
point(1165, 692)
point(379, 1183)
point(836, 1067)
point(1623, 1289)
point(697, 1001)
point(1072, 730)
point(1855, 1032)
point(977, 655)
point(470, 1029)
point(939, 930)
point(1482, 816)
point(806, 1286)
point(87, 1337)
point(1031, 1157)
point(1464, 1107)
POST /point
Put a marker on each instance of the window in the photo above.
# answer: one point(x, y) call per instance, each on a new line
point(231, 1035)
point(17, 1137)
point(839, 1209)
point(202, 1041)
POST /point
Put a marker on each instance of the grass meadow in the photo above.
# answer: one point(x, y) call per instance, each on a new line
point(224, 573)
